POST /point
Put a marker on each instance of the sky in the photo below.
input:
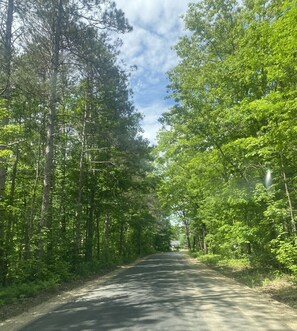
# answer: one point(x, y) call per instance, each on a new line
point(157, 25)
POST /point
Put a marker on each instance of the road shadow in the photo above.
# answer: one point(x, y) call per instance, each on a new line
point(163, 292)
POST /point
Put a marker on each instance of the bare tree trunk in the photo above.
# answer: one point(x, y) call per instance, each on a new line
point(28, 226)
point(98, 242)
point(106, 237)
point(139, 242)
point(187, 229)
point(84, 144)
point(205, 248)
point(4, 122)
point(62, 209)
point(90, 226)
point(291, 212)
point(10, 217)
point(122, 239)
point(6, 91)
point(8, 50)
point(46, 207)
point(80, 187)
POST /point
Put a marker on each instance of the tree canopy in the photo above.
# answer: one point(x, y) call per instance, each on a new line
point(233, 123)
point(76, 184)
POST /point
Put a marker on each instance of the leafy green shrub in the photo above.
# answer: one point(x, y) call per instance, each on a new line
point(26, 290)
point(286, 253)
point(32, 270)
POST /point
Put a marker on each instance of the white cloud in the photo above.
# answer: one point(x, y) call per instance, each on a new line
point(157, 25)
point(150, 123)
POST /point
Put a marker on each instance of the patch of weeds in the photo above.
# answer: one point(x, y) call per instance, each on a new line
point(209, 259)
point(282, 288)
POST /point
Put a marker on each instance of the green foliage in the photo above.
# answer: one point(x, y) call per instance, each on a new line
point(77, 183)
point(285, 252)
point(210, 259)
point(30, 289)
point(235, 119)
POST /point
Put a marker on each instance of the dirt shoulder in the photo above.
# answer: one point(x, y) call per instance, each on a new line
point(281, 294)
point(279, 287)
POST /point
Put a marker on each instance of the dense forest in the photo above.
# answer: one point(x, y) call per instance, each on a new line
point(80, 189)
point(227, 153)
point(76, 185)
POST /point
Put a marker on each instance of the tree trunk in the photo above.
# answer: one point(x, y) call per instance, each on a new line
point(7, 87)
point(139, 243)
point(62, 209)
point(187, 229)
point(10, 217)
point(122, 239)
point(28, 230)
point(80, 187)
point(46, 207)
point(194, 242)
point(90, 226)
point(84, 144)
point(98, 243)
point(4, 122)
point(63, 193)
point(106, 237)
point(205, 248)
point(291, 212)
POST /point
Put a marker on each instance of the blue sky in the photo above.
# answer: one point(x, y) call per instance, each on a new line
point(157, 25)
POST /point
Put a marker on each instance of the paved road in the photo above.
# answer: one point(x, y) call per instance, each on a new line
point(165, 292)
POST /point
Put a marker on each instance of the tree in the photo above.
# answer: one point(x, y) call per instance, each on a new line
point(78, 191)
point(234, 119)
point(6, 50)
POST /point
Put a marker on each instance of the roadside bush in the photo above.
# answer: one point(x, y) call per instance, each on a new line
point(13, 293)
point(286, 253)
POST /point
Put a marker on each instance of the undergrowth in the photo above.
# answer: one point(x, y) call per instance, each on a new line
point(53, 282)
point(14, 293)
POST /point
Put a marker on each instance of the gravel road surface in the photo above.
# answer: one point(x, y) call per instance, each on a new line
point(168, 291)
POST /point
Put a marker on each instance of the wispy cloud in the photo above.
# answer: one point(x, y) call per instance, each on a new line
point(157, 27)
point(150, 124)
